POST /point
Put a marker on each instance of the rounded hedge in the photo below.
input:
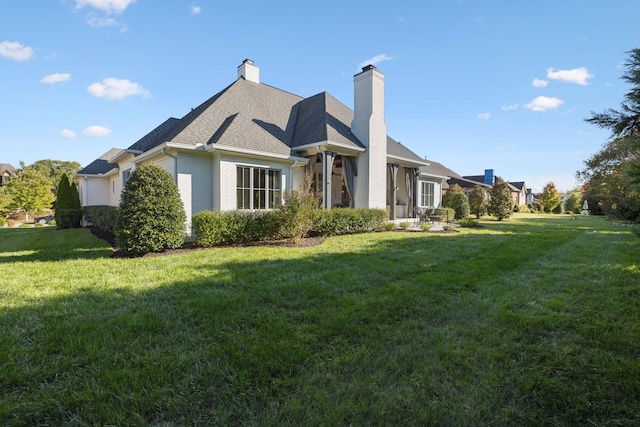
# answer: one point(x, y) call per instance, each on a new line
point(151, 215)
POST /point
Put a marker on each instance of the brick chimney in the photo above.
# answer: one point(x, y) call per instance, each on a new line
point(249, 72)
point(370, 128)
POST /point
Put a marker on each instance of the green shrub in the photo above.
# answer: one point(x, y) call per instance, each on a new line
point(224, 228)
point(404, 225)
point(389, 226)
point(460, 203)
point(69, 218)
point(335, 222)
point(151, 215)
point(425, 227)
point(468, 222)
point(102, 216)
point(38, 224)
point(557, 210)
point(67, 198)
point(299, 213)
point(3, 221)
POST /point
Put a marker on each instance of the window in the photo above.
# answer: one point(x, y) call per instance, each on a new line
point(258, 188)
point(125, 176)
point(426, 193)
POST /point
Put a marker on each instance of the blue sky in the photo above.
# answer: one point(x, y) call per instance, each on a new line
point(473, 84)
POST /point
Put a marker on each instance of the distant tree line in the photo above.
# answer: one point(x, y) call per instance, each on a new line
point(35, 186)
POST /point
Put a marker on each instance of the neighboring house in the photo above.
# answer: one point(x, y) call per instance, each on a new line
point(6, 173)
point(248, 144)
point(518, 193)
point(518, 189)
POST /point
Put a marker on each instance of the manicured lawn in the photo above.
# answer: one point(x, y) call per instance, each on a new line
point(531, 321)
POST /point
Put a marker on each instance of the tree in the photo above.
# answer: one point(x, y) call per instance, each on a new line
point(67, 200)
point(62, 193)
point(550, 198)
point(478, 201)
point(54, 169)
point(625, 129)
point(5, 200)
point(609, 190)
point(572, 202)
point(455, 188)
point(29, 190)
point(151, 214)
point(460, 204)
point(500, 200)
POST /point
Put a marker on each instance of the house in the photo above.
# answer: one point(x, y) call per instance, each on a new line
point(249, 143)
point(518, 189)
point(6, 173)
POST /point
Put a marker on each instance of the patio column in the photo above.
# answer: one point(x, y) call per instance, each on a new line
point(393, 170)
point(327, 163)
point(416, 189)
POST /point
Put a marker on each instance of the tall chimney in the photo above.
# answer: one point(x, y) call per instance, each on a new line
point(249, 72)
point(370, 128)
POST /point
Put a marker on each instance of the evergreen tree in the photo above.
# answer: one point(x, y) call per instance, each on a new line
point(151, 215)
point(500, 200)
point(460, 204)
point(64, 189)
point(477, 201)
point(625, 127)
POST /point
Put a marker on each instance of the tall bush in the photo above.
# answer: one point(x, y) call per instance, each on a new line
point(477, 201)
point(500, 202)
point(151, 215)
point(460, 203)
point(67, 200)
point(299, 213)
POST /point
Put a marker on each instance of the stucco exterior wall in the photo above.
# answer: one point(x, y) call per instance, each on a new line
point(95, 191)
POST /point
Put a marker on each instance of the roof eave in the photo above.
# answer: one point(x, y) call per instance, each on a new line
point(407, 162)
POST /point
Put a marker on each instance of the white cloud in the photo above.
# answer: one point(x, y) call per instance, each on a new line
point(540, 83)
point(112, 88)
point(376, 59)
point(96, 21)
point(195, 10)
point(109, 6)
point(96, 131)
point(66, 133)
point(544, 103)
point(52, 79)
point(498, 148)
point(579, 76)
point(484, 116)
point(510, 107)
point(16, 51)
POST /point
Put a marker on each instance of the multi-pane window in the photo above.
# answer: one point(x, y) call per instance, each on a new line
point(258, 188)
point(126, 175)
point(426, 193)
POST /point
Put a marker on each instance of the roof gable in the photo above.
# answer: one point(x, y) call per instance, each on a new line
point(323, 118)
point(268, 107)
point(240, 132)
point(101, 165)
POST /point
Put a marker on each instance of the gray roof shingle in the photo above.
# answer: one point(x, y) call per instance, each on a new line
point(101, 165)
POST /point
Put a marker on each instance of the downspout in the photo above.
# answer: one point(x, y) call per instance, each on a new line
point(175, 163)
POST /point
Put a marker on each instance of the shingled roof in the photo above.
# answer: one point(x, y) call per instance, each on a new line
point(101, 165)
point(261, 118)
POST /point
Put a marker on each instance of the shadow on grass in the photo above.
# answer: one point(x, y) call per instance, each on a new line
point(393, 329)
point(50, 244)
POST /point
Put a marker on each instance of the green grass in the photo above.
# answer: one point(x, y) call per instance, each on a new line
point(531, 321)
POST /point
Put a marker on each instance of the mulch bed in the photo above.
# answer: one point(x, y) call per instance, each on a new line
point(110, 238)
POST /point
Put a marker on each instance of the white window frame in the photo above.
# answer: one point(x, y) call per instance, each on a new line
point(248, 194)
point(425, 195)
